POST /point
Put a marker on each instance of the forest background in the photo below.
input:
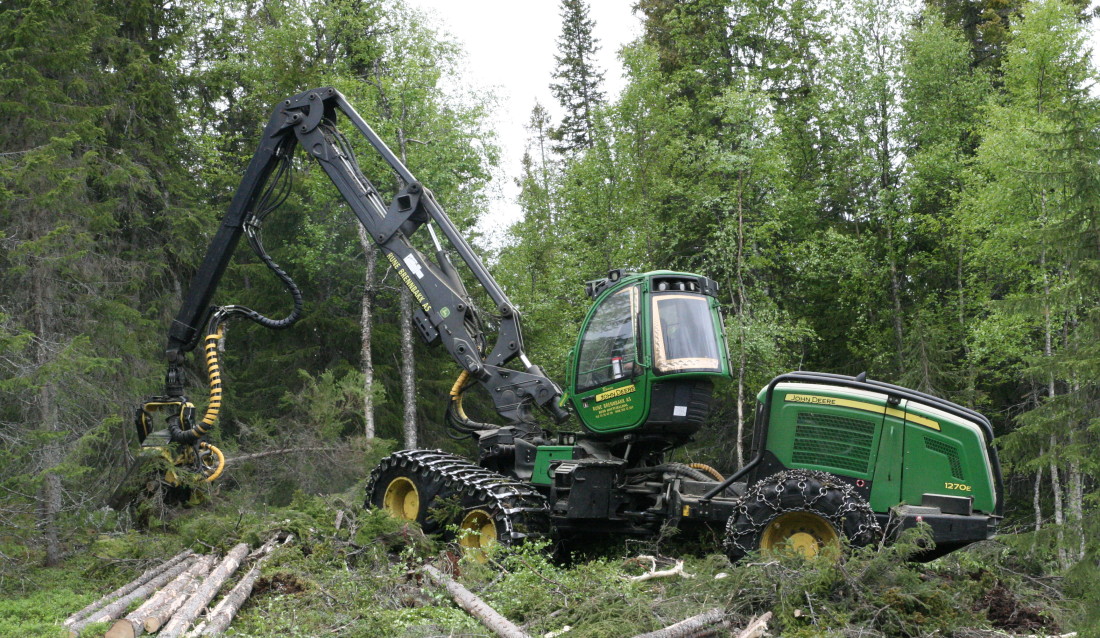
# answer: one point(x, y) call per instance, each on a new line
point(912, 193)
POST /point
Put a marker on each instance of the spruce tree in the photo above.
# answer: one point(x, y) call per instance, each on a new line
point(577, 80)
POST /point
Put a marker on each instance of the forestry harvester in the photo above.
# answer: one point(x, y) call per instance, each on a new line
point(834, 457)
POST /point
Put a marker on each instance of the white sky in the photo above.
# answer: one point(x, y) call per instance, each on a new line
point(510, 47)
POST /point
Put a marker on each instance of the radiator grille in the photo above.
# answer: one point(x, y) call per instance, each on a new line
point(950, 451)
point(828, 440)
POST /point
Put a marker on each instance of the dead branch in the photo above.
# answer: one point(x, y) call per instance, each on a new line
point(476, 607)
point(757, 627)
point(677, 570)
point(266, 453)
point(688, 626)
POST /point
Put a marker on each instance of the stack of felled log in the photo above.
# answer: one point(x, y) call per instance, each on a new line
point(175, 595)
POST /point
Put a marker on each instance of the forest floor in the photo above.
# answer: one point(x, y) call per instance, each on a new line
point(351, 572)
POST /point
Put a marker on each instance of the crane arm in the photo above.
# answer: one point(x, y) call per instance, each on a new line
point(443, 312)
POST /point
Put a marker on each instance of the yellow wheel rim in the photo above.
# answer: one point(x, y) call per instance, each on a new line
point(802, 533)
point(477, 532)
point(401, 499)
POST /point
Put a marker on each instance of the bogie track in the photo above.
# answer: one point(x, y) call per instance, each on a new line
point(451, 490)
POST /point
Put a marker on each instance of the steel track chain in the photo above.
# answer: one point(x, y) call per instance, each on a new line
point(799, 490)
point(521, 509)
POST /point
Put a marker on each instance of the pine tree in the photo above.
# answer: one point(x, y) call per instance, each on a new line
point(87, 173)
point(577, 85)
point(1032, 202)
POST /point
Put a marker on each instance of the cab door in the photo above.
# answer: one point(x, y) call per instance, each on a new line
point(607, 364)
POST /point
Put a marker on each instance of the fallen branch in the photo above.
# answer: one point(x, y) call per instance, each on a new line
point(267, 453)
point(476, 607)
point(117, 608)
point(720, 629)
point(687, 626)
point(757, 627)
point(148, 575)
point(217, 621)
point(156, 611)
point(205, 593)
point(677, 570)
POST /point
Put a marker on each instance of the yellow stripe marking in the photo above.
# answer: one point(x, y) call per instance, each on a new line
point(861, 405)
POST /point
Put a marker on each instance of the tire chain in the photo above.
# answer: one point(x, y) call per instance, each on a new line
point(792, 491)
point(520, 508)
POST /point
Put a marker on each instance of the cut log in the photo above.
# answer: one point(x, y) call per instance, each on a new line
point(148, 575)
point(160, 616)
point(204, 593)
point(159, 608)
point(688, 626)
point(476, 607)
point(757, 627)
point(217, 621)
point(115, 609)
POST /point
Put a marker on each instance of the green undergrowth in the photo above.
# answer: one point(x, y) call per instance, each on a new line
point(350, 572)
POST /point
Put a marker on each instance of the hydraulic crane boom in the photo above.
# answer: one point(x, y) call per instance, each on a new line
point(444, 311)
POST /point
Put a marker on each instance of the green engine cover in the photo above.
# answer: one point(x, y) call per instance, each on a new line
point(901, 448)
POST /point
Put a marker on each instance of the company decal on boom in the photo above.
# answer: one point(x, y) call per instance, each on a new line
point(413, 288)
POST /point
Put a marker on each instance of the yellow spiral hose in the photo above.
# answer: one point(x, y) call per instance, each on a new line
point(212, 370)
point(708, 469)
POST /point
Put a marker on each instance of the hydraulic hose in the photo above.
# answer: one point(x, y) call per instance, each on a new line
point(220, 467)
point(675, 468)
point(215, 376)
point(708, 469)
point(456, 417)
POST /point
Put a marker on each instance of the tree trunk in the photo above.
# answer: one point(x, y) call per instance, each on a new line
point(1036, 498)
point(46, 413)
point(688, 626)
point(1059, 513)
point(1076, 494)
point(117, 608)
point(466, 599)
point(204, 593)
point(1048, 353)
point(741, 359)
point(145, 577)
point(217, 621)
point(366, 327)
point(159, 608)
point(408, 368)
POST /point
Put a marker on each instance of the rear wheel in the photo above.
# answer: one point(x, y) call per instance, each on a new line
point(802, 511)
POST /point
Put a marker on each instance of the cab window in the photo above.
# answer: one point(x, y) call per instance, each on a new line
point(685, 338)
point(609, 346)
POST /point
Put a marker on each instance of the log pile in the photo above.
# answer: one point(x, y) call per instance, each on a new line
point(174, 595)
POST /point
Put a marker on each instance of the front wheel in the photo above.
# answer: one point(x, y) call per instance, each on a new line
point(802, 511)
point(445, 493)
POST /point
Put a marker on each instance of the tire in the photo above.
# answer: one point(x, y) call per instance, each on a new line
point(450, 491)
point(801, 510)
point(405, 484)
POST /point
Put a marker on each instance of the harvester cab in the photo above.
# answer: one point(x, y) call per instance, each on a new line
point(647, 355)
